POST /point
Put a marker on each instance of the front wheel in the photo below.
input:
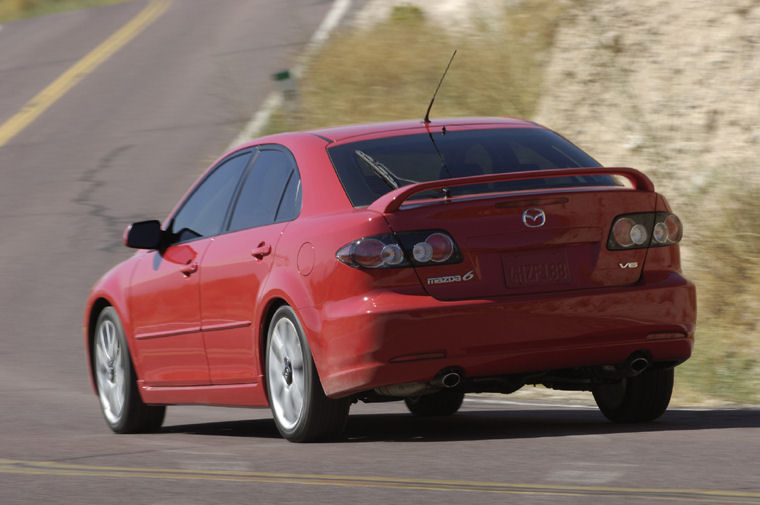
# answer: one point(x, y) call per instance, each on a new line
point(636, 399)
point(116, 380)
point(301, 410)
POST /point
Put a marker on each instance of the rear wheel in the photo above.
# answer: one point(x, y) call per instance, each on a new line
point(636, 399)
point(301, 410)
point(441, 403)
point(116, 380)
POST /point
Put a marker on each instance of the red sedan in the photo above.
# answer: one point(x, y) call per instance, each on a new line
point(410, 261)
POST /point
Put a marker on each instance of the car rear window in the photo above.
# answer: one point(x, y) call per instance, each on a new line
point(368, 169)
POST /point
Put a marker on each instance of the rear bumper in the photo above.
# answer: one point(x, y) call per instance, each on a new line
point(386, 338)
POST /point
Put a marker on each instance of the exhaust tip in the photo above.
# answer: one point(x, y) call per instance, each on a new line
point(451, 380)
point(448, 378)
point(639, 364)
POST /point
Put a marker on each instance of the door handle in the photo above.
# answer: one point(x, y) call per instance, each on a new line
point(190, 269)
point(263, 249)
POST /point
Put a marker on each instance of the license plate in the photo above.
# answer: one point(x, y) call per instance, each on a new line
point(536, 268)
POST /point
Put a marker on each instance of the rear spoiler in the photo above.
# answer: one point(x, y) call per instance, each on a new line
point(392, 201)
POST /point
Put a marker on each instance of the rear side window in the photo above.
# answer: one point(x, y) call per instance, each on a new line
point(270, 193)
point(203, 213)
point(290, 206)
point(369, 169)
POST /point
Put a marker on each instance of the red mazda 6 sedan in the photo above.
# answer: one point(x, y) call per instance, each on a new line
point(409, 261)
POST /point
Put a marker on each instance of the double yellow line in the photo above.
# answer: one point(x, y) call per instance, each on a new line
point(51, 468)
point(56, 89)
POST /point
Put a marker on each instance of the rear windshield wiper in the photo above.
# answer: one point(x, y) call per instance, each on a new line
point(391, 179)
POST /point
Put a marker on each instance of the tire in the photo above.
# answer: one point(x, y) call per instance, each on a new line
point(636, 399)
point(441, 403)
point(301, 410)
point(116, 381)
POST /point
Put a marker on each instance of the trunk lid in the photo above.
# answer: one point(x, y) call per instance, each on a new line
point(527, 242)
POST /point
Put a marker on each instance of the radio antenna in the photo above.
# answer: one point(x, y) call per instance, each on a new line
point(427, 114)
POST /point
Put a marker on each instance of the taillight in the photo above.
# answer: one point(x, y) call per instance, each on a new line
point(403, 249)
point(667, 229)
point(628, 232)
point(441, 247)
point(646, 229)
point(369, 253)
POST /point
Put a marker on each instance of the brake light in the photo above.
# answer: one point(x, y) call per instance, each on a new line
point(441, 247)
point(668, 230)
point(403, 249)
point(422, 252)
point(627, 232)
point(646, 229)
point(369, 253)
point(392, 254)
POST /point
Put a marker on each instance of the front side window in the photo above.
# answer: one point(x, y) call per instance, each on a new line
point(368, 169)
point(203, 213)
point(270, 193)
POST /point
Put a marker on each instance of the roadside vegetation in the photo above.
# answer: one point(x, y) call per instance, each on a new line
point(12, 10)
point(723, 259)
point(389, 72)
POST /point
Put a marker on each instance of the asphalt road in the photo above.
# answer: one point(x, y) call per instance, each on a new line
point(123, 144)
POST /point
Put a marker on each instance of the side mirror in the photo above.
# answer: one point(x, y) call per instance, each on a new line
point(144, 235)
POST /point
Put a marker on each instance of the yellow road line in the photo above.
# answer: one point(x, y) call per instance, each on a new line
point(49, 468)
point(56, 89)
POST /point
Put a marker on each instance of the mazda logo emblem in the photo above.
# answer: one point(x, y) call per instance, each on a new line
point(534, 218)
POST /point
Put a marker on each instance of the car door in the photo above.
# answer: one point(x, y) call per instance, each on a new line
point(237, 263)
point(165, 294)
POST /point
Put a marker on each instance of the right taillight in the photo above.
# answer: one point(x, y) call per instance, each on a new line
point(644, 229)
point(667, 229)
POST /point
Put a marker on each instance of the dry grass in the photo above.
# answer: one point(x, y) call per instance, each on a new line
point(11, 10)
point(390, 71)
point(724, 262)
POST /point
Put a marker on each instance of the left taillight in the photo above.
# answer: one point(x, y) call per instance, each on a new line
point(403, 249)
point(645, 229)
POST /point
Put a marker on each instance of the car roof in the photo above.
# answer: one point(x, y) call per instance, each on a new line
point(338, 134)
point(341, 133)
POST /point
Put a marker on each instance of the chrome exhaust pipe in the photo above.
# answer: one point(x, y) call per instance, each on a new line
point(635, 364)
point(638, 364)
point(447, 380)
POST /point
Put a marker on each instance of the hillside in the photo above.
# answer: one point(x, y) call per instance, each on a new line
point(670, 87)
point(673, 88)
